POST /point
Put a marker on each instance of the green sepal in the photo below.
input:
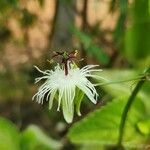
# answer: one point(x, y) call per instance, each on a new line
point(78, 98)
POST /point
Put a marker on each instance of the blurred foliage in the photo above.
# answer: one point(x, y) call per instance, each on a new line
point(119, 30)
point(137, 39)
point(27, 18)
point(4, 33)
point(66, 2)
point(9, 135)
point(34, 138)
point(14, 85)
point(31, 138)
point(90, 47)
point(6, 5)
point(41, 2)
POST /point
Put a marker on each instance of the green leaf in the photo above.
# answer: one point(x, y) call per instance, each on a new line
point(9, 135)
point(34, 138)
point(102, 126)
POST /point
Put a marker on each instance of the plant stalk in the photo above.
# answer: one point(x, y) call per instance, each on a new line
point(127, 108)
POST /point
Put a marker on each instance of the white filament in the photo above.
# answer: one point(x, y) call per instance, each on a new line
point(64, 85)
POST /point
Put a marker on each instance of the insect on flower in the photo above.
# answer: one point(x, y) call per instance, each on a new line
point(67, 84)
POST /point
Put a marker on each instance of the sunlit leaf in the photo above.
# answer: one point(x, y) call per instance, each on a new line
point(9, 136)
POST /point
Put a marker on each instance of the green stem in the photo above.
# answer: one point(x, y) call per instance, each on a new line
point(127, 107)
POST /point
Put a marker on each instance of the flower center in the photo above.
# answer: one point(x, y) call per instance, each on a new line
point(66, 59)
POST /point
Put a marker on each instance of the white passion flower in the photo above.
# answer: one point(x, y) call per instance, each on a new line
point(68, 89)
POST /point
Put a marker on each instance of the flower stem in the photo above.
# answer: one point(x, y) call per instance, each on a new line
point(127, 108)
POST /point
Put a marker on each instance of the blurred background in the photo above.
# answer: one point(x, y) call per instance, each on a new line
point(112, 33)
